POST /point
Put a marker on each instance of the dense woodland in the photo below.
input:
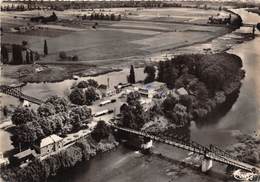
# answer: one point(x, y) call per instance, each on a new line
point(209, 81)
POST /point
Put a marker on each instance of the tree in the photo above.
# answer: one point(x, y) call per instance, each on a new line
point(27, 134)
point(27, 57)
point(75, 58)
point(45, 50)
point(160, 71)
point(91, 95)
point(46, 125)
point(101, 131)
point(22, 115)
point(118, 17)
point(82, 84)
point(17, 54)
point(132, 97)
point(46, 109)
point(214, 77)
point(167, 73)
point(150, 71)
point(31, 57)
point(62, 55)
point(79, 116)
point(258, 26)
point(168, 104)
point(92, 83)
point(88, 83)
point(60, 104)
point(112, 17)
point(131, 77)
point(186, 100)
point(77, 96)
point(5, 56)
point(133, 116)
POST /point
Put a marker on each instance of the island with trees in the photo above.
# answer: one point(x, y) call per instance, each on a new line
point(209, 84)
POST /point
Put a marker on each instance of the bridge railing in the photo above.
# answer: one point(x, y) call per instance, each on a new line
point(18, 94)
point(213, 152)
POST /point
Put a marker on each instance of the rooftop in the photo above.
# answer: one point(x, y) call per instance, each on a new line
point(49, 140)
point(153, 85)
point(25, 153)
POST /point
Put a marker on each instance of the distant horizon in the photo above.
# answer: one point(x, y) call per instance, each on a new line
point(248, 1)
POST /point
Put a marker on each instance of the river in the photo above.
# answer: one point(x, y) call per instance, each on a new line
point(125, 165)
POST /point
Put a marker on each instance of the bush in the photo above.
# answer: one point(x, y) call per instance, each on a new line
point(62, 55)
point(75, 58)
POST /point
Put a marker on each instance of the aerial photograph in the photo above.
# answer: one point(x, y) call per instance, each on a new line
point(130, 90)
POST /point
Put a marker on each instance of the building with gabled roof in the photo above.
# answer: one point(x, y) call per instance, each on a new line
point(49, 144)
point(24, 156)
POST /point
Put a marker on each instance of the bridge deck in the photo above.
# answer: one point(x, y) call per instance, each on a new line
point(196, 148)
point(13, 91)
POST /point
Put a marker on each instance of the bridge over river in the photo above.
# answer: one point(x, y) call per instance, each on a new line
point(210, 154)
point(15, 92)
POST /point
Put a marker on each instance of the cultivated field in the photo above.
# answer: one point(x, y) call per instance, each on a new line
point(140, 34)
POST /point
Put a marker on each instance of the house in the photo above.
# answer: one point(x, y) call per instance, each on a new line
point(3, 161)
point(24, 156)
point(49, 144)
point(151, 89)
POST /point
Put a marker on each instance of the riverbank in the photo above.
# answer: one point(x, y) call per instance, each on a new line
point(38, 73)
point(254, 10)
point(246, 149)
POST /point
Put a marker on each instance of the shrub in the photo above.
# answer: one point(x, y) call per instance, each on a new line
point(75, 58)
point(62, 55)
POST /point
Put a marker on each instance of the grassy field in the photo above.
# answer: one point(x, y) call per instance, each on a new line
point(140, 34)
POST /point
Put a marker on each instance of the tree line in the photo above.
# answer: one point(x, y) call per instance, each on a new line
point(102, 16)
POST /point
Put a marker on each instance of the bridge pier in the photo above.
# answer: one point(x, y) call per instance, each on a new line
point(206, 164)
point(147, 147)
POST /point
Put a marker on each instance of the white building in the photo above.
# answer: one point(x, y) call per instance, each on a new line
point(49, 144)
point(3, 161)
point(151, 89)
